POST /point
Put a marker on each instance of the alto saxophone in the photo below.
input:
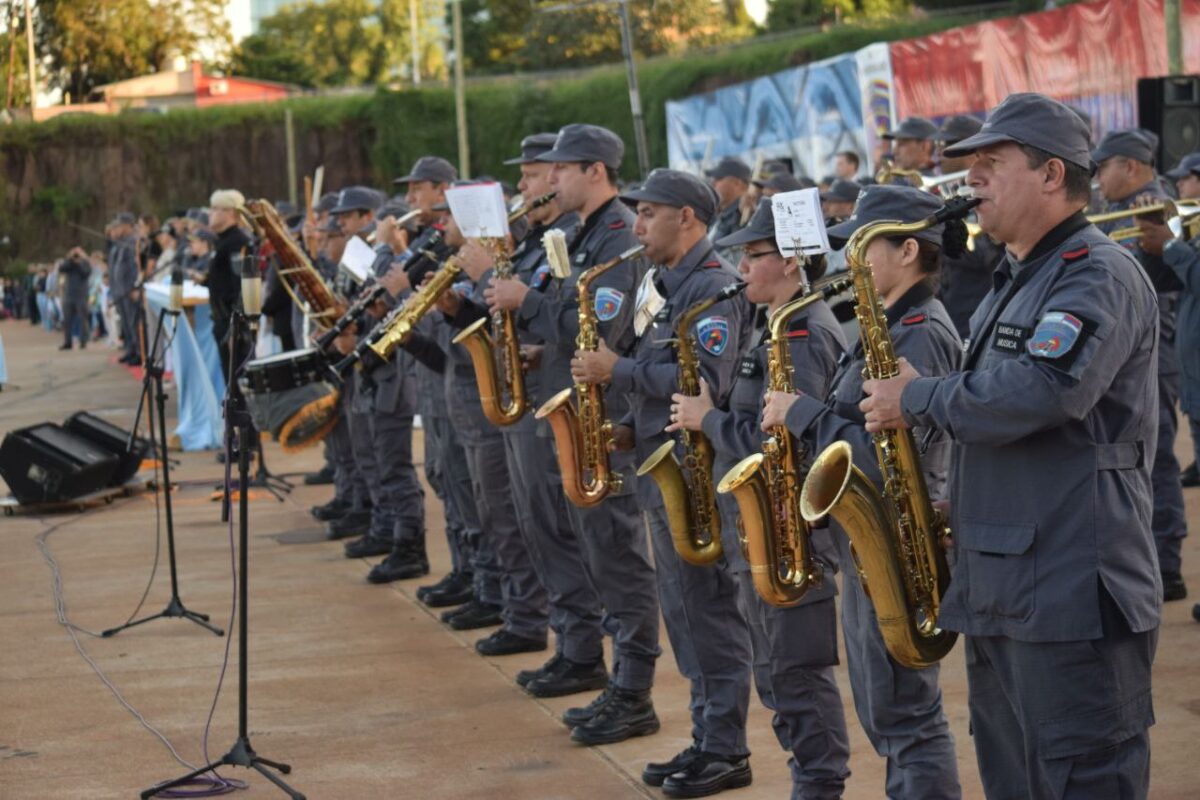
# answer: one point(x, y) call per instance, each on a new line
point(497, 358)
point(691, 506)
point(582, 436)
point(896, 536)
point(775, 538)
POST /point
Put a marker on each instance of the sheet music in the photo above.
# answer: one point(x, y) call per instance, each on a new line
point(798, 218)
point(357, 259)
point(479, 210)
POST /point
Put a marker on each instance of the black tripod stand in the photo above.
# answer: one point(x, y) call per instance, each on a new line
point(237, 419)
point(153, 381)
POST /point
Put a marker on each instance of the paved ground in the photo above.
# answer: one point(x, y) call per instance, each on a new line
point(359, 687)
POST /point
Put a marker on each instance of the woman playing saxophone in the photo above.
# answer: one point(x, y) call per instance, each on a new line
point(899, 706)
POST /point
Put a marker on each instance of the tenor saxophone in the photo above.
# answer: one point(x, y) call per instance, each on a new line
point(497, 358)
point(776, 540)
point(895, 535)
point(582, 435)
point(688, 497)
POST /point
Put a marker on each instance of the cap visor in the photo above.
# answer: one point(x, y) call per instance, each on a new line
point(744, 236)
point(559, 156)
point(973, 143)
point(635, 196)
point(513, 162)
point(1178, 172)
point(842, 232)
point(408, 179)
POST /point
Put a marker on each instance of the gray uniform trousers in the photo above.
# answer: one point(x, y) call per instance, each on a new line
point(382, 447)
point(709, 637)
point(504, 573)
point(438, 438)
point(131, 312)
point(613, 538)
point(349, 484)
point(1169, 521)
point(553, 547)
point(900, 708)
point(1089, 739)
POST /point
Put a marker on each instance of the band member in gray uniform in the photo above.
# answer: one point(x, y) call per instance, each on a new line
point(574, 606)
point(1127, 178)
point(900, 708)
point(712, 648)
point(1056, 584)
point(730, 179)
point(586, 159)
point(795, 648)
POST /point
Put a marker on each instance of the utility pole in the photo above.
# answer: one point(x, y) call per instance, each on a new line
point(460, 100)
point(32, 64)
point(416, 53)
point(1174, 37)
point(289, 131)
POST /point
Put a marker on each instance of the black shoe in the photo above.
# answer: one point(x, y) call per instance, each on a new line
point(526, 675)
point(570, 677)
point(350, 525)
point(504, 643)
point(64, 347)
point(434, 587)
point(334, 509)
point(625, 715)
point(368, 546)
point(655, 773)
point(1196, 612)
point(1173, 587)
point(406, 561)
point(475, 615)
point(320, 478)
point(581, 715)
point(451, 613)
point(456, 592)
point(709, 774)
point(1190, 476)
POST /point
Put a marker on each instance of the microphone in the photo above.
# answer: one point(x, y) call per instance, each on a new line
point(175, 303)
point(251, 291)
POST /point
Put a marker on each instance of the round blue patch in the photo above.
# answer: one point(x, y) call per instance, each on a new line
point(608, 303)
point(713, 333)
point(1056, 334)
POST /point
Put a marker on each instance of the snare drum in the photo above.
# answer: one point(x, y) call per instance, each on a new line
point(289, 396)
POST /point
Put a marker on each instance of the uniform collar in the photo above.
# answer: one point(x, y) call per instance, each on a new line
point(1053, 239)
point(668, 281)
point(591, 222)
point(914, 297)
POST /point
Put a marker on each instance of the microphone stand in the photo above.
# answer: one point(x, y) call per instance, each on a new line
point(153, 378)
point(242, 754)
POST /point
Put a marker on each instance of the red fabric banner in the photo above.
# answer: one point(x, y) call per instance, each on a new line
point(1089, 55)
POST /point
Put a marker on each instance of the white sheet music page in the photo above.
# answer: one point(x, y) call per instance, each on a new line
point(798, 220)
point(479, 211)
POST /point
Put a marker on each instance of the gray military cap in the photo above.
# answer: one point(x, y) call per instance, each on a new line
point(586, 144)
point(123, 218)
point(327, 202)
point(913, 128)
point(670, 187)
point(204, 235)
point(532, 147)
point(842, 191)
point(394, 207)
point(958, 127)
point(357, 198)
point(430, 168)
point(761, 226)
point(1188, 165)
point(1035, 120)
point(890, 202)
point(730, 167)
point(768, 169)
point(1136, 144)
point(785, 182)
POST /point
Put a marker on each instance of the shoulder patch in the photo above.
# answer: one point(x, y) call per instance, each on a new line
point(540, 277)
point(714, 264)
point(616, 226)
point(608, 303)
point(914, 319)
point(798, 333)
point(462, 288)
point(1056, 333)
point(713, 333)
point(1075, 255)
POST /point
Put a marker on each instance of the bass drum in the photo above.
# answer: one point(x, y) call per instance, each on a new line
point(289, 396)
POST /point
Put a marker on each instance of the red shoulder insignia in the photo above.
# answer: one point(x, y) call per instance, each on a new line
point(714, 264)
point(1075, 255)
point(616, 226)
point(798, 333)
point(913, 320)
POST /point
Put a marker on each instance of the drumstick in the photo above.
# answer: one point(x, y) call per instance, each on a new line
point(308, 199)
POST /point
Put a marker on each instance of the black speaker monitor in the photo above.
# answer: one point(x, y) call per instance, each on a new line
point(46, 464)
point(109, 437)
point(1171, 108)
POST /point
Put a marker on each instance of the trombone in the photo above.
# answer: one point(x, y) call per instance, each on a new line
point(1182, 216)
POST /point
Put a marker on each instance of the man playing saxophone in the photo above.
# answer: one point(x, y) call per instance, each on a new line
point(900, 708)
point(795, 647)
point(708, 635)
point(586, 160)
point(1056, 583)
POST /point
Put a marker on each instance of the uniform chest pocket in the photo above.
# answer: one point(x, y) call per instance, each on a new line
point(1001, 567)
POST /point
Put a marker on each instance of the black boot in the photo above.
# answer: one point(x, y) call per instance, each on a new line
point(656, 772)
point(1173, 587)
point(334, 509)
point(581, 715)
point(456, 591)
point(526, 675)
point(625, 715)
point(434, 587)
point(356, 523)
point(320, 478)
point(506, 643)
point(368, 546)
point(474, 615)
point(407, 560)
point(709, 774)
point(1190, 476)
point(570, 677)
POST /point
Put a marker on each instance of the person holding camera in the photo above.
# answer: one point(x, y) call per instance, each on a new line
point(75, 272)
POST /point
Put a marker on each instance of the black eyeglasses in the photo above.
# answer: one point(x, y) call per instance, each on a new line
point(746, 254)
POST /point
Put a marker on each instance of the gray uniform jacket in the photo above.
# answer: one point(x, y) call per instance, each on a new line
point(123, 267)
point(1184, 259)
point(553, 314)
point(650, 376)
point(1054, 424)
point(923, 333)
point(728, 220)
point(815, 342)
